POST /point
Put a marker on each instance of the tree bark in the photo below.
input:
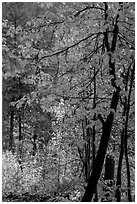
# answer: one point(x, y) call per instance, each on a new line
point(97, 168)
point(20, 141)
point(118, 182)
point(88, 166)
point(124, 141)
point(11, 140)
point(20, 134)
point(107, 125)
point(128, 175)
point(34, 144)
point(109, 167)
point(94, 133)
point(126, 136)
point(94, 118)
point(108, 177)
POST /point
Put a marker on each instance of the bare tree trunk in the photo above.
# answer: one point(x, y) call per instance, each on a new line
point(11, 139)
point(87, 156)
point(20, 141)
point(118, 182)
point(128, 175)
point(108, 177)
point(20, 133)
point(94, 132)
point(109, 167)
point(122, 149)
point(34, 144)
point(97, 168)
point(126, 136)
point(107, 125)
point(85, 152)
point(124, 141)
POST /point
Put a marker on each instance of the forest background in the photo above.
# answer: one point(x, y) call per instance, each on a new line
point(68, 101)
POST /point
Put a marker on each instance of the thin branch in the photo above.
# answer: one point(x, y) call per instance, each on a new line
point(119, 21)
point(86, 8)
point(123, 37)
point(133, 31)
point(71, 46)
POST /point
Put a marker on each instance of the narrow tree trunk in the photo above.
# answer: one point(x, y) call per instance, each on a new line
point(93, 145)
point(118, 182)
point(94, 118)
point(84, 154)
point(94, 133)
point(88, 153)
point(126, 128)
point(34, 144)
point(20, 141)
point(11, 140)
point(127, 164)
point(86, 159)
point(122, 146)
point(20, 134)
point(93, 160)
point(128, 175)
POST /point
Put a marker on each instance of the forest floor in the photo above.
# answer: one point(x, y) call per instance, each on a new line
point(26, 197)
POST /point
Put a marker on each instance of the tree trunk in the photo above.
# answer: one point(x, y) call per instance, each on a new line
point(20, 135)
point(94, 118)
point(93, 160)
point(84, 153)
point(94, 133)
point(126, 136)
point(34, 144)
point(107, 125)
point(128, 176)
point(124, 141)
point(108, 177)
point(109, 167)
point(20, 142)
point(11, 140)
point(97, 168)
point(118, 182)
point(88, 166)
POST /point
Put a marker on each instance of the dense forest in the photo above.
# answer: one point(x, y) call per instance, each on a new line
point(68, 101)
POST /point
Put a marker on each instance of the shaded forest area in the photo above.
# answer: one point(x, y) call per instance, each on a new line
point(68, 101)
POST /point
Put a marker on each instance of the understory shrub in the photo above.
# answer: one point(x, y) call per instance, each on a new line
point(11, 173)
point(33, 178)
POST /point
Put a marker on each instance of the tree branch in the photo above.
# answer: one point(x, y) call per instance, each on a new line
point(88, 7)
point(71, 46)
